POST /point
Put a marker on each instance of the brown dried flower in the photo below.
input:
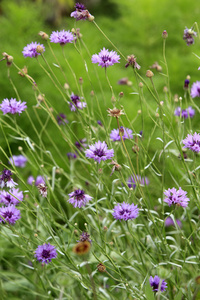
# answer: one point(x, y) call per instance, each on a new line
point(131, 61)
point(115, 112)
point(101, 268)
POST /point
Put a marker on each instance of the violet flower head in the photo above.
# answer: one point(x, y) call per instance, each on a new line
point(157, 284)
point(78, 198)
point(6, 180)
point(184, 113)
point(14, 196)
point(76, 103)
point(61, 119)
point(169, 222)
point(189, 35)
point(62, 37)
point(9, 214)
point(45, 253)
point(125, 211)
point(192, 142)
point(177, 111)
point(126, 134)
point(12, 106)
point(81, 144)
point(85, 237)
point(99, 123)
point(71, 155)
point(99, 151)
point(176, 197)
point(195, 89)
point(134, 180)
point(105, 58)
point(39, 180)
point(18, 160)
point(81, 13)
point(31, 49)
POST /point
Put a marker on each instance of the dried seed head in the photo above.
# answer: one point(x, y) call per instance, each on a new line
point(116, 167)
point(40, 97)
point(23, 72)
point(39, 49)
point(101, 268)
point(66, 86)
point(131, 61)
point(149, 74)
point(43, 35)
point(156, 66)
point(115, 112)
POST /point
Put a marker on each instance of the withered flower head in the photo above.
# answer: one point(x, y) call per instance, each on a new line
point(149, 74)
point(82, 248)
point(131, 61)
point(116, 167)
point(42, 189)
point(76, 33)
point(101, 268)
point(115, 112)
point(44, 35)
point(9, 58)
point(23, 72)
point(156, 66)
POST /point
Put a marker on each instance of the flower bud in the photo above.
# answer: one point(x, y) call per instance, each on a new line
point(43, 35)
point(101, 268)
point(39, 49)
point(164, 34)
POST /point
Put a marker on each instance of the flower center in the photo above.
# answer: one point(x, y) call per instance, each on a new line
point(8, 215)
point(99, 152)
point(79, 194)
point(105, 59)
point(45, 253)
point(8, 198)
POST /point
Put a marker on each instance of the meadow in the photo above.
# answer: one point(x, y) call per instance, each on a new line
point(100, 151)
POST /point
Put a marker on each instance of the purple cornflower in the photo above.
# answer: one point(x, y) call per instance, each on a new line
point(71, 155)
point(125, 211)
point(189, 35)
point(45, 253)
point(99, 151)
point(14, 197)
point(81, 144)
point(176, 197)
point(18, 161)
point(192, 142)
point(185, 113)
point(134, 180)
point(84, 237)
point(12, 106)
point(177, 111)
point(6, 180)
point(31, 50)
point(126, 134)
point(62, 37)
point(195, 89)
point(9, 214)
point(81, 13)
point(78, 198)
point(61, 119)
point(76, 103)
point(169, 222)
point(39, 179)
point(157, 284)
point(105, 58)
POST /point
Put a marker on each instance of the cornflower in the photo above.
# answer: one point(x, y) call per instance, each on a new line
point(105, 58)
point(12, 106)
